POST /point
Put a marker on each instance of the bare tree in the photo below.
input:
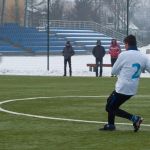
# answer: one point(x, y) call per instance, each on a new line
point(34, 12)
point(56, 10)
point(82, 10)
point(119, 10)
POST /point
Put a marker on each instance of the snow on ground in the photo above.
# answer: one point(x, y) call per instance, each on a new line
point(37, 65)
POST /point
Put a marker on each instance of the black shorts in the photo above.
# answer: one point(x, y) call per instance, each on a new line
point(115, 100)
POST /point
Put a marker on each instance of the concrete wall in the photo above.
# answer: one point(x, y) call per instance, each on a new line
point(12, 13)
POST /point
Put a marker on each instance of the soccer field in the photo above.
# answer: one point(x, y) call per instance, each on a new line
point(65, 113)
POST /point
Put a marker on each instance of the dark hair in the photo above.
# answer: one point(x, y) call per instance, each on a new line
point(68, 42)
point(130, 40)
point(98, 42)
point(113, 40)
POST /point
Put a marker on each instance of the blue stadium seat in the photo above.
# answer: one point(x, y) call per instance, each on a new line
point(82, 40)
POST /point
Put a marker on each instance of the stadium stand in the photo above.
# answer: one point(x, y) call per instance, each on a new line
point(28, 40)
point(6, 47)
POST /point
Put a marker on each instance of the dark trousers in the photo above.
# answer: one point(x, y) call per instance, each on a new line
point(65, 66)
point(114, 101)
point(99, 62)
point(113, 60)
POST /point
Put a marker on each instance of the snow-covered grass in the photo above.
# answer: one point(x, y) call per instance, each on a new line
point(37, 65)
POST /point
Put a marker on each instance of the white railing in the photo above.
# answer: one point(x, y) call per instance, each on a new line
point(87, 25)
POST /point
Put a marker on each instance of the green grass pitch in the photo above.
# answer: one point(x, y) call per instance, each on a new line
point(29, 133)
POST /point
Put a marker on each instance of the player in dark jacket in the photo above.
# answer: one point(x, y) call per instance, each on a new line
point(67, 53)
point(98, 52)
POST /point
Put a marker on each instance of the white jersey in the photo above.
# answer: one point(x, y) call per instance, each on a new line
point(128, 68)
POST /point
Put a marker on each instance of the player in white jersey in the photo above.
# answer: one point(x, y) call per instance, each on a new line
point(128, 68)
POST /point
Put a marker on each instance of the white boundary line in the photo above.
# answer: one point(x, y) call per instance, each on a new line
point(60, 119)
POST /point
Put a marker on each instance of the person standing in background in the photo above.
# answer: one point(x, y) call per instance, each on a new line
point(68, 52)
point(98, 52)
point(114, 51)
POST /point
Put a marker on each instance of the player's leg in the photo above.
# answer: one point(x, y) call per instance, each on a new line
point(137, 120)
point(112, 107)
point(121, 98)
point(111, 113)
point(121, 113)
point(114, 101)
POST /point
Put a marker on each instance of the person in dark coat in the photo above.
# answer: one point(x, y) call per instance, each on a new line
point(67, 53)
point(98, 52)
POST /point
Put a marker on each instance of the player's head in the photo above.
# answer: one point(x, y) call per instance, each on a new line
point(130, 41)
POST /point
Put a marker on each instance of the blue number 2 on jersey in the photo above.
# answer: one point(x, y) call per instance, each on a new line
point(137, 72)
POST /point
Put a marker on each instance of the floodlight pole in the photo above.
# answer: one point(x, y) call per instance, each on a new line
point(127, 17)
point(48, 32)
